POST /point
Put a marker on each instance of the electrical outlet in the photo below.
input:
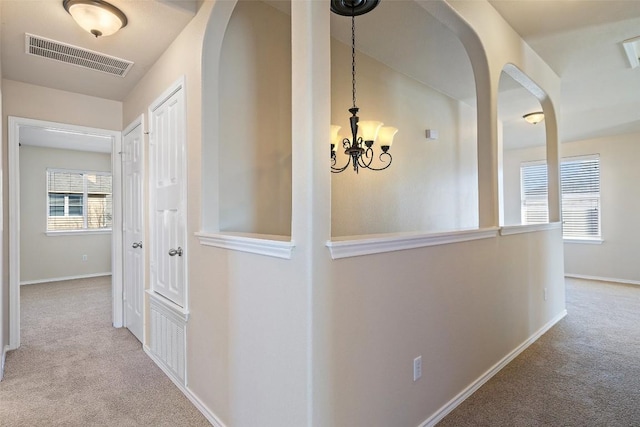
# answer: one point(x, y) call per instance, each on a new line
point(84, 258)
point(417, 368)
point(545, 294)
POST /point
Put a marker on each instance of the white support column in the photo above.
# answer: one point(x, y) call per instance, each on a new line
point(553, 161)
point(311, 211)
point(488, 187)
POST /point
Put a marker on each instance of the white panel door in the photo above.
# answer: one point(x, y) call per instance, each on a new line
point(133, 218)
point(168, 201)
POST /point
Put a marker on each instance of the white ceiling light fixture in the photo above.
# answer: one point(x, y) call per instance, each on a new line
point(534, 118)
point(96, 16)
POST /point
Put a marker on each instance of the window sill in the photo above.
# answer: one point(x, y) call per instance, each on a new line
point(585, 241)
point(77, 232)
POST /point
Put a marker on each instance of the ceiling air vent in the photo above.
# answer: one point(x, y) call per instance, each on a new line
point(78, 56)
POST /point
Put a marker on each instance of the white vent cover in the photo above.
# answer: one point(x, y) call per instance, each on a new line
point(632, 48)
point(51, 49)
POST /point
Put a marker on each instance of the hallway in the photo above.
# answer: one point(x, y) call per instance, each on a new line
point(75, 369)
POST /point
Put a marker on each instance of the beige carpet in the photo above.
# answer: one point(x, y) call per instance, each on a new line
point(74, 369)
point(583, 372)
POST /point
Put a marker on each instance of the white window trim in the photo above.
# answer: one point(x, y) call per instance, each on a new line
point(79, 232)
point(585, 241)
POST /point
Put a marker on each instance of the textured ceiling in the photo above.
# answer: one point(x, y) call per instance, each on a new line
point(153, 25)
point(580, 39)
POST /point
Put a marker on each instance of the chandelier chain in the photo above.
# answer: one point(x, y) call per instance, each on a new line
point(359, 152)
point(353, 58)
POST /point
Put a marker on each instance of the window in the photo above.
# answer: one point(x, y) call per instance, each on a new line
point(580, 184)
point(533, 178)
point(78, 200)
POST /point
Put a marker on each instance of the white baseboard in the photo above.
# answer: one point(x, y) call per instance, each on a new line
point(60, 279)
point(603, 279)
point(471, 388)
point(208, 414)
point(4, 358)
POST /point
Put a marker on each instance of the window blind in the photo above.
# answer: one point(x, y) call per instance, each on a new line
point(535, 208)
point(580, 186)
point(580, 178)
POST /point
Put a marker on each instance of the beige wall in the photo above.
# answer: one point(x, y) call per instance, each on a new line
point(310, 318)
point(616, 257)
point(41, 103)
point(255, 123)
point(462, 307)
point(435, 182)
point(45, 257)
point(284, 342)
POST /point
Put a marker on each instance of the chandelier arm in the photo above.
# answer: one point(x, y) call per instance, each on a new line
point(380, 158)
point(341, 169)
point(367, 158)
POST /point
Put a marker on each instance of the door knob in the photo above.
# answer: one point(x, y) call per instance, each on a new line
point(136, 245)
point(174, 252)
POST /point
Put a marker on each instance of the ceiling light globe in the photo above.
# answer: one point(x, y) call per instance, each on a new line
point(369, 129)
point(335, 138)
point(386, 134)
point(534, 118)
point(96, 16)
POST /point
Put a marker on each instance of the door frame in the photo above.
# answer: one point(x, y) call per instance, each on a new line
point(138, 121)
point(13, 160)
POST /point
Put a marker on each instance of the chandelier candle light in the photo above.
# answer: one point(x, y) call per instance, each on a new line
point(359, 149)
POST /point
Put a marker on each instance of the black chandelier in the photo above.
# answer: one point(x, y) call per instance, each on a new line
point(359, 149)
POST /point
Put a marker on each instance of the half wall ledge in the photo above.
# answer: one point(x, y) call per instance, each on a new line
point(261, 244)
point(528, 228)
point(352, 246)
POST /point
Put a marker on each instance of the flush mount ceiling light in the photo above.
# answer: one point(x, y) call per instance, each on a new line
point(359, 149)
point(96, 16)
point(534, 118)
